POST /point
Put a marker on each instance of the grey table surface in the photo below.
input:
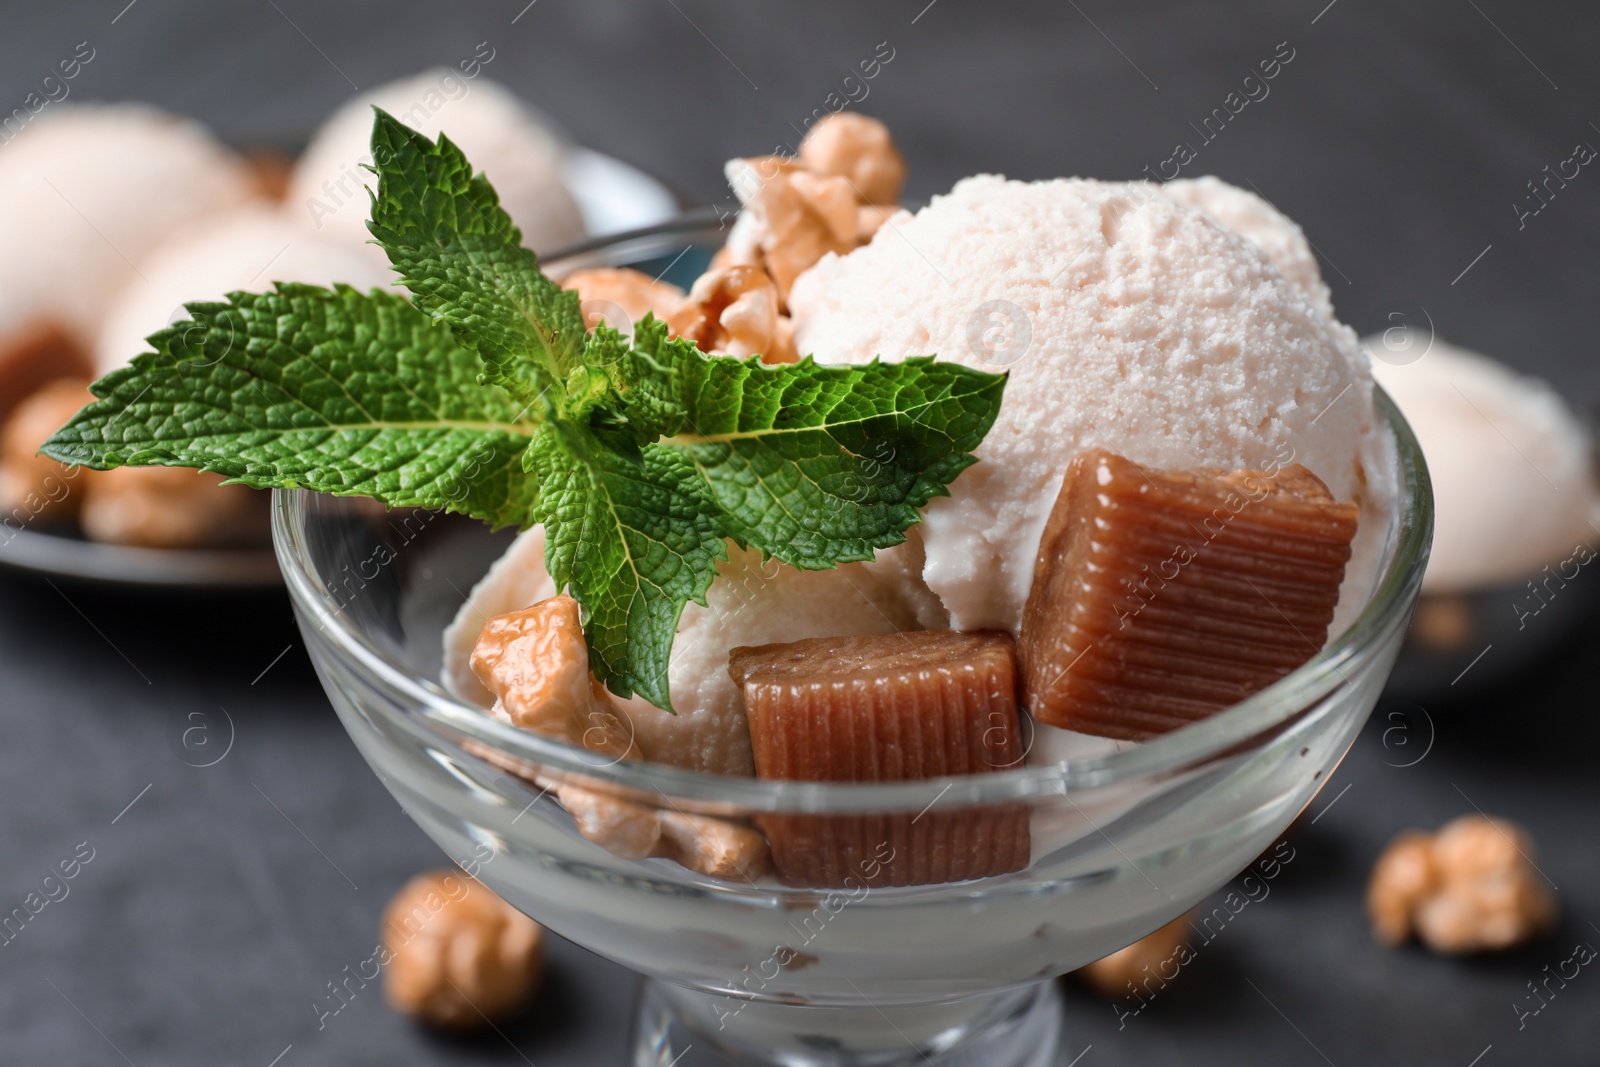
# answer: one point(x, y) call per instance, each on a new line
point(220, 900)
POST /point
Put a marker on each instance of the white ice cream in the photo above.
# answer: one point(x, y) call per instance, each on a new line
point(501, 136)
point(1263, 225)
point(751, 603)
point(247, 249)
point(1127, 320)
point(87, 192)
point(1512, 467)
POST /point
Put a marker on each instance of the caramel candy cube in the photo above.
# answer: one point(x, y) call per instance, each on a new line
point(1161, 597)
point(887, 708)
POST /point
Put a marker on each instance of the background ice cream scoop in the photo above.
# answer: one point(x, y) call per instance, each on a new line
point(247, 249)
point(87, 193)
point(502, 136)
point(1513, 469)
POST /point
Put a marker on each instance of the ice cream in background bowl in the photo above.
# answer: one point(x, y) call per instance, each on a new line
point(246, 248)
point(1512, 466)
point(1513, 470)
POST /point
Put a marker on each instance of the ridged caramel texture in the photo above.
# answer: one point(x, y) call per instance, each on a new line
point(1161, 597)
point(896, 707)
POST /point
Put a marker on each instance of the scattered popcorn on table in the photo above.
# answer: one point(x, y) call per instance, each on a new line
point(1471, 887)
point(459, 957)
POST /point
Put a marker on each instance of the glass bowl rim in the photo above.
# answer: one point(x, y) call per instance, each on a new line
point(454, 722)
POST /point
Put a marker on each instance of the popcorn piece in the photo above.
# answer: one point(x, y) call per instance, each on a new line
point(32, 486)
point(715, 847)
point(272, 172)
point(1161, 597)
point(459, 957)
point(515, 580)
point(869, 218)
point(620, 297)
point(33, 357)
point(171, 507)
point(830, 198)
point(734, 312)
point(536, 664)
point(887, 708)
point(1471, 887)
point(631, 831)
point(791, 218)
point(860, 150)
point(627, 830)
point(1113, 975)
point(1403, 878)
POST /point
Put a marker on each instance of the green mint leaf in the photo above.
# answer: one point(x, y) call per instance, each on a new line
point(633, 540)
point(335, 391)
point(814, 465)
point(462, 258)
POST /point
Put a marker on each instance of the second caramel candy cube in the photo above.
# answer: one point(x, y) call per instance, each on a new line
point(1162, 597)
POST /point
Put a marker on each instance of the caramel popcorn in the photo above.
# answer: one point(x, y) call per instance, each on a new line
point(170, 507)
point(626, 830)
point(633, 831)
point(536, 664)
point(860, 150)
point(715, 847)
point(787, 225)
point(1471, 887)
point(34, 486)
point(832, 197)
point(611, 294)
point(734, 311)
point(1111, 974)
point(458, 956)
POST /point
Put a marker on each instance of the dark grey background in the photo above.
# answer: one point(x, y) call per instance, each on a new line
point(218, 906)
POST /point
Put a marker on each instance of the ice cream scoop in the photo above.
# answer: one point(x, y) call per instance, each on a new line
point(1512, 468)
point(246, 249)
point(1263, 225)
point(87, 192)
point(1128, 321)
point(502, 136)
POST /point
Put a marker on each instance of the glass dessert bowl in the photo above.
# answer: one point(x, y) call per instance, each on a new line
point(743, 968)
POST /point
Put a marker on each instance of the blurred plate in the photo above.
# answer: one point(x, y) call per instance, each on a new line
point(62, 555)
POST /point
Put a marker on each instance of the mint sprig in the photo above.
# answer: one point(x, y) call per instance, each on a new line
point(302, 388)
point(486, 396)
